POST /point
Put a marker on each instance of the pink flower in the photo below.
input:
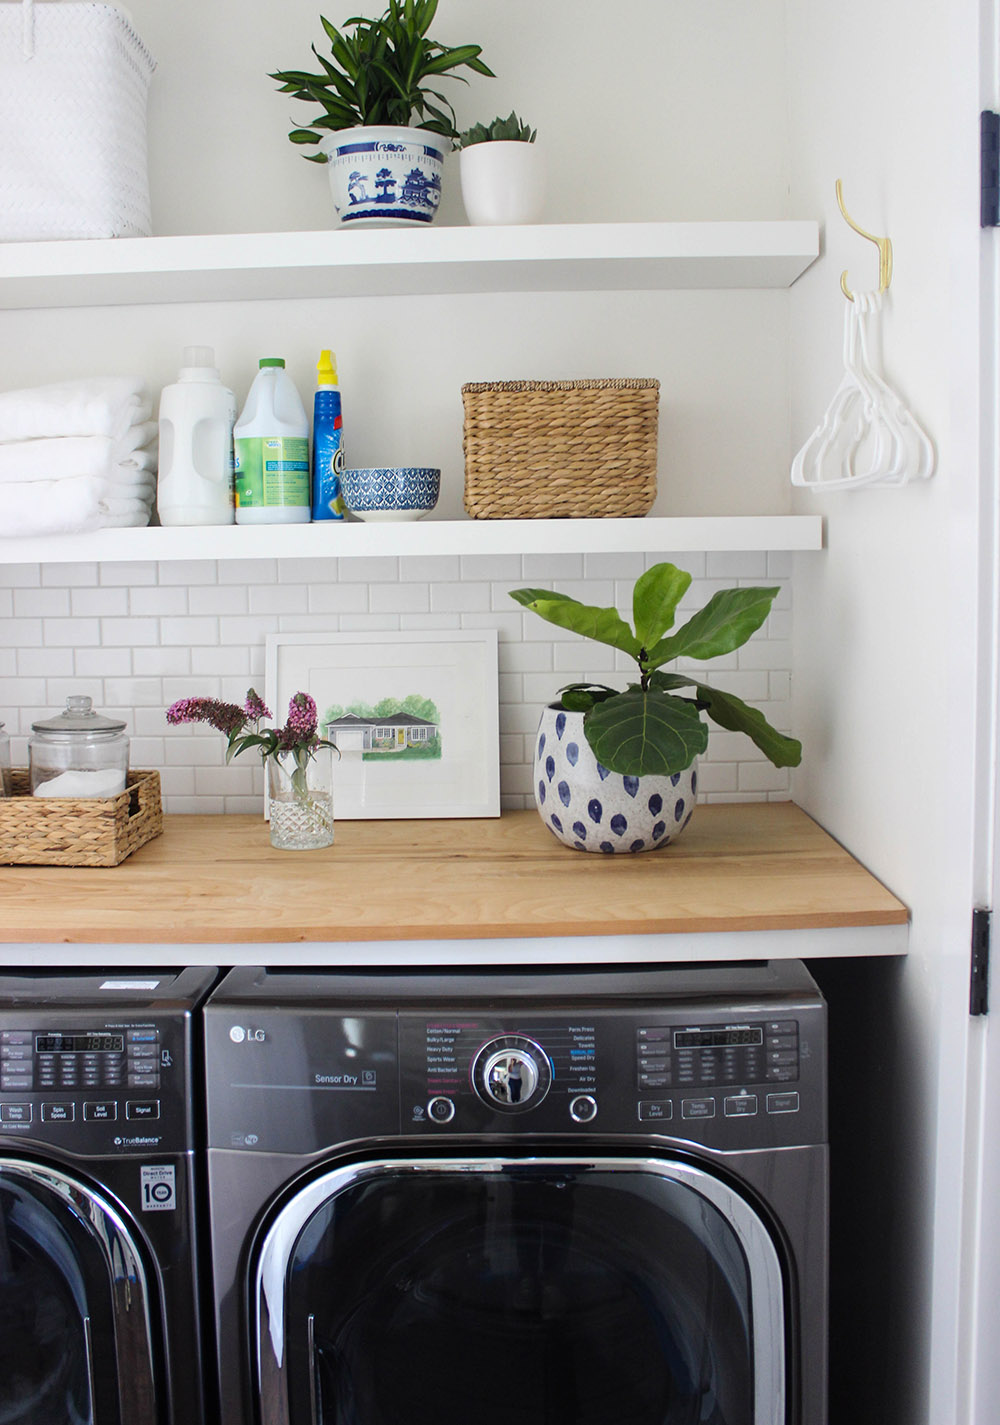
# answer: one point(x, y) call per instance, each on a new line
point(254, 706)
point(300, 729)
point(226, 717)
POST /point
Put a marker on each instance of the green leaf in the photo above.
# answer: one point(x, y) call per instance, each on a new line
point(638, 734)
point(726, 622)
point(735, 715)
point(581, 697)
point(602, 625)
point(654, 601)
point(304, 136)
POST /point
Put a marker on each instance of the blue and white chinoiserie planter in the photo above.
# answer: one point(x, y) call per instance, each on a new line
point(385, 177)
point(592, 809)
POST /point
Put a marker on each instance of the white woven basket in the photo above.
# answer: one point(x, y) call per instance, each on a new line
point(74, 78)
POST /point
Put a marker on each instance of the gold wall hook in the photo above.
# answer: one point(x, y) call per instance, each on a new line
point(884, 246)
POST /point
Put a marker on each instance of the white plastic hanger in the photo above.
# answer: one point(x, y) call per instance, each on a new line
point(867, 436)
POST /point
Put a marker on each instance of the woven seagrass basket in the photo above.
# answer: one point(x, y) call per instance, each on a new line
point(560, 449)
point(78, 831)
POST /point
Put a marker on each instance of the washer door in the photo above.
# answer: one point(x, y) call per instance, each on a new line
point(547, 1291)
point(75, 1344)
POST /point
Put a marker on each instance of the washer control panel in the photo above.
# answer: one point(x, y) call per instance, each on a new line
point(82, 1084)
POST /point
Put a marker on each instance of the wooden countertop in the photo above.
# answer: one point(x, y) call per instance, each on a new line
point(216, 879)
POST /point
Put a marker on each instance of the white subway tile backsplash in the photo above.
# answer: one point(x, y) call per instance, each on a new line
point(161, 662)
point(159, 601)
point(44, 662)
point(71, 632)
point(99, 602)
point(278, 599)
point(140, 636)
point(130, 632)
point(103, 662)
point(399, 598)
point(40, 603)
point(130, 574)
point(68, 576)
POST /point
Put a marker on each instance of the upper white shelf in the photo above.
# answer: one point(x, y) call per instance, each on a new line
point(464, 536)
point(392, 262)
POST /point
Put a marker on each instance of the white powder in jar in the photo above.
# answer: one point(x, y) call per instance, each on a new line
point(106, 783)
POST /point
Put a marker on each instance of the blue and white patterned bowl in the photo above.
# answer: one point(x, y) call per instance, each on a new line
point(385, 177)
point(592, 809)
point(395, 492)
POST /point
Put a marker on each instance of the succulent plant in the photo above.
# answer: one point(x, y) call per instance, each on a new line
point(379, 75)
point(499, 129)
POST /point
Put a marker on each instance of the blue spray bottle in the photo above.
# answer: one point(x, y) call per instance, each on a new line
point(328, 442)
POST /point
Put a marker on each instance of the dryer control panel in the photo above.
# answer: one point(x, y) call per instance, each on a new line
point(749, 1079)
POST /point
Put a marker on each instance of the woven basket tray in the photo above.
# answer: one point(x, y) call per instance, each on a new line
point(547, 449)
point(78, 831)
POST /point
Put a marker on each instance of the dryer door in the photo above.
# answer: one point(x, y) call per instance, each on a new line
point(546, 1291)
point(75, 1342)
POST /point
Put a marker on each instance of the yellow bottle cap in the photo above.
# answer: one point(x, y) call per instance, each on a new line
point(326, 369)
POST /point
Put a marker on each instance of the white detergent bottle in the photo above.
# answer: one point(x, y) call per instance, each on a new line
point(195, 481)
point(271, 446)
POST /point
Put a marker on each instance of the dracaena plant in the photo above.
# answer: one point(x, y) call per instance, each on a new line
point(379, 74)
point(498, 130)
point(655, 726)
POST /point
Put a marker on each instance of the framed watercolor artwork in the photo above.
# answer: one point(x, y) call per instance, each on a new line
point(414, 716)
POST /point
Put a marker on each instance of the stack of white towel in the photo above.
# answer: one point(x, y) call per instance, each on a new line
point(76, 456)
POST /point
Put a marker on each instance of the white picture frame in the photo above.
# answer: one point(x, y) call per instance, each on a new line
point(437, 756)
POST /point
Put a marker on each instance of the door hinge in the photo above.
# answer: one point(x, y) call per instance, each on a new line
point(979, 980)
point(989, 169)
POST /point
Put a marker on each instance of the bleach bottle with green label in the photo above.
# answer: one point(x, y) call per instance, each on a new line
point(327, 443)
point(271, 449)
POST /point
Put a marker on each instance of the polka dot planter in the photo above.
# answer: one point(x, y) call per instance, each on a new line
point(592, 809)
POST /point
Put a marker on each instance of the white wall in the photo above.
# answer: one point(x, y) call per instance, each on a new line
point(886, 98)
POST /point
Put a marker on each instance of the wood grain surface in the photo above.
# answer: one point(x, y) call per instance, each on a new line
point(753, 866)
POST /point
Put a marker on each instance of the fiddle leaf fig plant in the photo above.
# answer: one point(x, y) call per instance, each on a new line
point(498, 130)
point(378, 75)
point(653, 727)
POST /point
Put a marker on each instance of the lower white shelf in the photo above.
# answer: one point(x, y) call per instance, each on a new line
point(428, 537)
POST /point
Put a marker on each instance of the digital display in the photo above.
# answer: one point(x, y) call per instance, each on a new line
point(79, 1043)
point(716, 1038)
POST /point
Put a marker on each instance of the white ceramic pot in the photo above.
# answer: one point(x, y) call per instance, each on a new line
point(385, 177)
point(503, 181)
point(592, 809)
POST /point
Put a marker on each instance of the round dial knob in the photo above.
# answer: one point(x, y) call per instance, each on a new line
point(511, 1073)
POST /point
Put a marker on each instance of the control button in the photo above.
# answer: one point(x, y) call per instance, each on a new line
point(144, 1081)
point(782, 1026)
point(15, 1083)
point(740, 1105)
point(583, 1108)
point(15, 1036)
point(15, 1112)
point(782, 1056)
point(142, 1108)
point(57, 1112)
point(781, 1075)
point(652, 1034)
point(142, 1036)
point(697, 1107)
point(654, 1081)
point(15, 1051)
point(652, 1109)
point(100, 1111)
point(782, 1041)
point(441, 1109)
point(782, 1103)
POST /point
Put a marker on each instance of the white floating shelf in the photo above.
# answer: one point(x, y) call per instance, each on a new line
point(464, 536)
point(393, 262)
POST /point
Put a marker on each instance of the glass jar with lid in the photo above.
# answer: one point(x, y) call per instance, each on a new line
point(5, 786)
point(78, 753)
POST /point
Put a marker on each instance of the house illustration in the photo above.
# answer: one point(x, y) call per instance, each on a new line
point(351, 733)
